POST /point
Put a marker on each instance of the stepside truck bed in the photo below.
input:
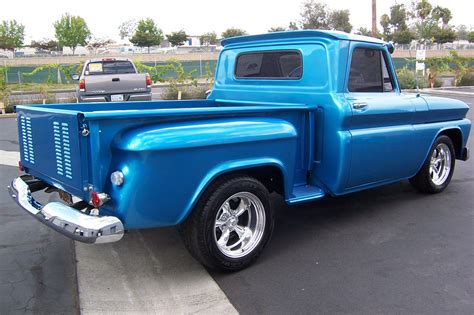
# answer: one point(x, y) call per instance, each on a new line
point(72, 138)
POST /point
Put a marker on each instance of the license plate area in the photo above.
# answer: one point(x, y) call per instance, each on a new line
point(116, 98)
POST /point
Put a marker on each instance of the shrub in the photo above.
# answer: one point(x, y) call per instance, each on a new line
point(407, 79)
point(187, 92)
point(467, 79)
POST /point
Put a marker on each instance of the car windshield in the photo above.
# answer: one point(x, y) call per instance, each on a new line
point(109, 67)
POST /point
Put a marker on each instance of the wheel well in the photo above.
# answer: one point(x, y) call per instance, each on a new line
point(456, 137)
point(270, 176)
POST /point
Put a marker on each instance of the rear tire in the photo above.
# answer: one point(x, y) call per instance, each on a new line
point(231, 224)
point(438, 168)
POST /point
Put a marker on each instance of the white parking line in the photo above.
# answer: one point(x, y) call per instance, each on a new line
point(9, 158)
point(147, 272)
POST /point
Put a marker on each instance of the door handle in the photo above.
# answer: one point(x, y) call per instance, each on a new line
point(359, 105)
point(115, 79)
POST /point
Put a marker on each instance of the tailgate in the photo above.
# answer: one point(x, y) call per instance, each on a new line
point(115, 83)
point(50, 147)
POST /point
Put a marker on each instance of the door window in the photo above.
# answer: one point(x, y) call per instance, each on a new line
point(369, 71)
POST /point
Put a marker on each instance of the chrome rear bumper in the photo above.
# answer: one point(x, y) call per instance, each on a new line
point(67, 220)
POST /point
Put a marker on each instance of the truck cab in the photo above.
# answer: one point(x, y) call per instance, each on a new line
point(305, 114)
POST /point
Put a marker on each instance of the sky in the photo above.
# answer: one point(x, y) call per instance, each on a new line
point(196, 17)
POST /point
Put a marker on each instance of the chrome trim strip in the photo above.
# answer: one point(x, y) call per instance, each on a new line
point(66, 220)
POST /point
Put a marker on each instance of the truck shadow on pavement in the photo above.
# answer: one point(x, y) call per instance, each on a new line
point(371, 251)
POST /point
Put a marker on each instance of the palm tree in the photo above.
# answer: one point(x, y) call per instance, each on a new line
point(374, 18)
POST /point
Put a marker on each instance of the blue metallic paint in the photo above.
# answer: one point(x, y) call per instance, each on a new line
point(170, 151)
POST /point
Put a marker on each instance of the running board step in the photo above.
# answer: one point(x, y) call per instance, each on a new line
point(305, 193)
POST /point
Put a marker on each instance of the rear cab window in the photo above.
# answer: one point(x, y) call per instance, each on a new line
point(369, 71)
point(269, 65)
point(109, 67)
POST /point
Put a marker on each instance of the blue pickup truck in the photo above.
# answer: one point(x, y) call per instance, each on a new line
point(304, 114)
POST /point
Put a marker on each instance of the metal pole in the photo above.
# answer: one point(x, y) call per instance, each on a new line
point(6, 71)
point(200, 65)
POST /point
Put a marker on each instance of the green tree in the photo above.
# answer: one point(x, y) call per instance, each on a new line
point(147, 34)
point(364, 31)
point(209, 38)
point(403, 36)
point(444, 35)
point(443, 14)
point(461, 32)
point(432, 24)
point(423, 10)
point(232, 32)
point(12, 35)
point(395, 25)
point(398, 17)
point(45, 44)
point(386, 31)
point(177, 38)
point(339, 20)
point(314, 15)
point(470, 36)
point(72, 31)
point(276, 29)
point(127, 29)
point(293, 26)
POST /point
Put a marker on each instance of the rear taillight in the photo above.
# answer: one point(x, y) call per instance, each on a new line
point(148, 81)
point(98, 199)
point(21, 168)
point(82, 85)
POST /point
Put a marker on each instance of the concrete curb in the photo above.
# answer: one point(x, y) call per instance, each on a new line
point(10, 115)
point(444, 91)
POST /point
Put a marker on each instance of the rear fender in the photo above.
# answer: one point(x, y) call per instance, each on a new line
point(201, 133)
point(173, 163)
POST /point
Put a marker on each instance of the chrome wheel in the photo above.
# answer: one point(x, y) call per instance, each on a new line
point(239, 225)
point(440, 164)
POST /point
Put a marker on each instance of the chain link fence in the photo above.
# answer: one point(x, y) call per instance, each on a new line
point(27, 74)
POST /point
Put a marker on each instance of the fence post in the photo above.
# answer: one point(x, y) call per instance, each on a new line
point(200, 65)
point(59, 76)
point(6, 71)
point(19, 78)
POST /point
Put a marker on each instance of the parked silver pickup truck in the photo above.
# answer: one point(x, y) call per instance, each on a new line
point(112, 80)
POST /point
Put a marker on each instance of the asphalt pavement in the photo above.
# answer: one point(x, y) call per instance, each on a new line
point(388, 250)
point(37, 265)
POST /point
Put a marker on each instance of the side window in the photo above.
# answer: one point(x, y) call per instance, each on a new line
point(369, 72)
